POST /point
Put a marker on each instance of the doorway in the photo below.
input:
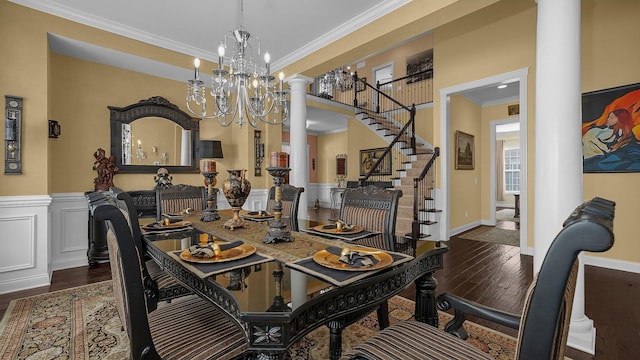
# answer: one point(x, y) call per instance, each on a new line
point(519, 76)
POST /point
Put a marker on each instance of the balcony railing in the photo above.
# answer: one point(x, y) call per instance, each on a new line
point(414, 89)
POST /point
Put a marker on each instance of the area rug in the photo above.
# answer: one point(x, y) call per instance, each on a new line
point(493, 235)
point(82, 323)
point(506, 215)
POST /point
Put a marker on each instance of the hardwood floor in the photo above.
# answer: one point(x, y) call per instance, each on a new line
point(492, 274)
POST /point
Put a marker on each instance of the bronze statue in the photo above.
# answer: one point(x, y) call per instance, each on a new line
point(106, 168)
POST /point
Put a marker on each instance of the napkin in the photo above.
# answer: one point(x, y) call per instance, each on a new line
point(207, 251)
point(353, 258)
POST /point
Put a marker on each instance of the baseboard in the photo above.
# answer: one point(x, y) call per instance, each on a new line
point(24, 283)
point(464, 228)
point(612, 264)
point(70, 263)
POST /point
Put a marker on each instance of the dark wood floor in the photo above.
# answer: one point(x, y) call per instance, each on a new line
point(491, 274)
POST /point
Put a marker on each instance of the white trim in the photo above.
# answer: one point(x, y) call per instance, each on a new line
point(613, 264)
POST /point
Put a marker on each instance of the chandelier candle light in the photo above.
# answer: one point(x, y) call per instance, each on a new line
point(245, 93)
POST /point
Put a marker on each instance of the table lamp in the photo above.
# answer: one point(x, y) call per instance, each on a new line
point(210, 149)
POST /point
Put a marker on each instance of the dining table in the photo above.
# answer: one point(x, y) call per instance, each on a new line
point(279, 292)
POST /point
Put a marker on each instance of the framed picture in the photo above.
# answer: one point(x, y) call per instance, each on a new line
point(465, 152)
point(610, 128)
point(513, 109)
point(417, 66)
point(369, 157)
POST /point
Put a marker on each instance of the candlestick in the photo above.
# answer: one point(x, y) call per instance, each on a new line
point(277, 229)
point(211, 212)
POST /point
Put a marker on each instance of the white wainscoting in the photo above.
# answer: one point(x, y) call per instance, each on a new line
point(69, 230)
point(25, 255)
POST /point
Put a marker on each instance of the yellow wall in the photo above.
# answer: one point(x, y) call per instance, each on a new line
point(609, 60)
point(333, 144)
point(466, 185)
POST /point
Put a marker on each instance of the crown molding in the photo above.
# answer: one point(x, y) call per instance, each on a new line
point(348, 27)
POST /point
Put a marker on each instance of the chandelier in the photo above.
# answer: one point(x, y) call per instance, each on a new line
point(343, 80)
point(246, 92)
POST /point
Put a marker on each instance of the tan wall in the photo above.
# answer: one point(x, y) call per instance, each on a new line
point(466, 185)
point(608, 60)
point(333, 144)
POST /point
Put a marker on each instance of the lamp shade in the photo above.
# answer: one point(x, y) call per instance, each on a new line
point(210, 149)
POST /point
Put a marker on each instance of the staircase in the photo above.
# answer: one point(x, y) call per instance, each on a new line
point(417, 206)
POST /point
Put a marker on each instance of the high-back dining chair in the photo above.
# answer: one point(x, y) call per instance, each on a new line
point(290, 200)
point(155, 279)
point(375, 209)
point(175, 199)
point(187, 328)
point(544, 323)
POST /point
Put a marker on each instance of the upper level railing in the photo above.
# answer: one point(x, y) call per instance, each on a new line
point(412, 89)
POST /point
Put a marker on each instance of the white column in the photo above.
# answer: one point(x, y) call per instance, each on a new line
point(299, 162)
point(558, 147)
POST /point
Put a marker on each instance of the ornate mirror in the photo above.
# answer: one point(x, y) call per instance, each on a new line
point(154, 133)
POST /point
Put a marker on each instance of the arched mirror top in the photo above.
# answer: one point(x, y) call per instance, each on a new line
point(146, 151)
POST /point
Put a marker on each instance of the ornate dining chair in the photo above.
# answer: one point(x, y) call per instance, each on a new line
point(290, 200)
point(177, 198)
point(375, 209)
point(187, 328)
point(544, 323)
point(154, 277)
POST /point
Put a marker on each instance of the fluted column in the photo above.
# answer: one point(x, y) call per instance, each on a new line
point(558, 147)
point(299, 160)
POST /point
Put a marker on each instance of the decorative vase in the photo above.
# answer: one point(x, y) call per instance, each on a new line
point(236, 189)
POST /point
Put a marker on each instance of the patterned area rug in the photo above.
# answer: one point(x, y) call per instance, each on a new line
point(493, 235)
point(82, 323)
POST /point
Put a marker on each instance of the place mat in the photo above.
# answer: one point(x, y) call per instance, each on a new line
point(165, 230)
point(204, 270)
point(342, 235)
point(333, 229)
point(340, 277)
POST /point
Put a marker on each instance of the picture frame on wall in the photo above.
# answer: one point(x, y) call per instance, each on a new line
point(465, 151)
point(369, 157)
point(611, 130)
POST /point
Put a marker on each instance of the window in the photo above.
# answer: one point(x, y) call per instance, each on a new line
point(512, 170)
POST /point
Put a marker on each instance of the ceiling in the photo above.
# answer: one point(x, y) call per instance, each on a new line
point(288, 29)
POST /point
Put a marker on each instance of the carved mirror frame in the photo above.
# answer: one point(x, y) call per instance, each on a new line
point(155, 106)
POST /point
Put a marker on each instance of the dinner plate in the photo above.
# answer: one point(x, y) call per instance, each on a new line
point(235, 253)
point(255, 215)
point(175, 225)
point(356, 229)
point(332, 261)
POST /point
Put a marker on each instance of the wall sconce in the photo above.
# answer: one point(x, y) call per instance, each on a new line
point(13, 135)
point(259, 152)
point(54, 129)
